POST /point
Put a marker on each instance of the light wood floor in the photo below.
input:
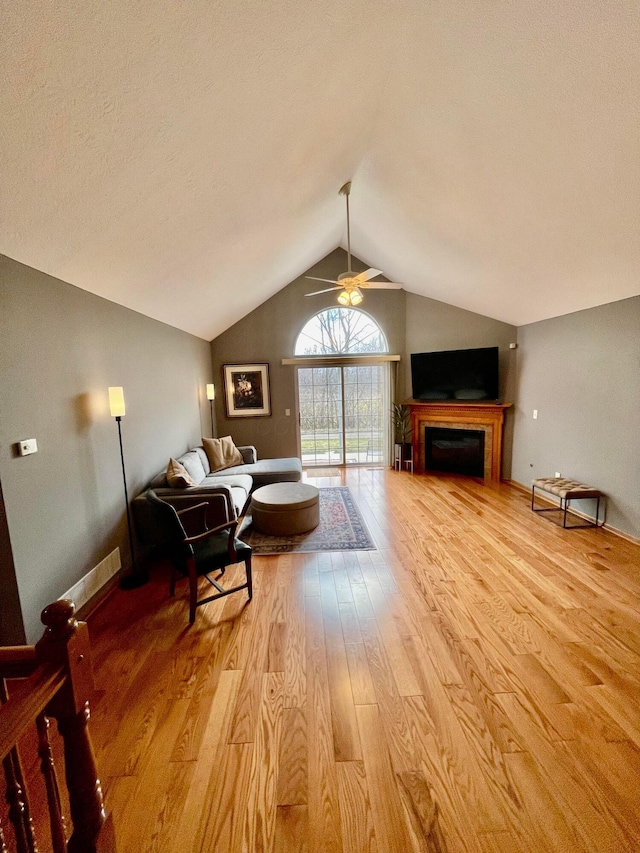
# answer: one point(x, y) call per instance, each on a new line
point(480, 644)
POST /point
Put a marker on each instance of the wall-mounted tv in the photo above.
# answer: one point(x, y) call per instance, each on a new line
point(462, 374)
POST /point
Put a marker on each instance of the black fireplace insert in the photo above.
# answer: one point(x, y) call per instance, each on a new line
point(454, 451)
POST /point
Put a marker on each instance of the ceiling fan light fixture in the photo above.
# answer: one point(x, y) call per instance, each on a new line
point(350, 296)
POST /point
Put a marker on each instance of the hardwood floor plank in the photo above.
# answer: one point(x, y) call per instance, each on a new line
point(343, 720)
point(358, 835)
point(295, 680)
point(224, 810)
point(188, 744)
point(292, 829)
point(292, 762)
point(359, 674)
point(323, 796)
point(276, 647)
point(207, 782)
point(386, 807)
point(255, 651)
point(391, 709)
point(544, 817)
point(260, 820)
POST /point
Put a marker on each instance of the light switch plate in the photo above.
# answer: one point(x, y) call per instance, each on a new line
point(28, 446)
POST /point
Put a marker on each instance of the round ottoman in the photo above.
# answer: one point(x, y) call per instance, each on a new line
point(284, 509)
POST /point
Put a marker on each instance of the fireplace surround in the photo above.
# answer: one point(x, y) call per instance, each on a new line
point(486, 417)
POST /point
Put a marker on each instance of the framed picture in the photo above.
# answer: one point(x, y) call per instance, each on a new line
point(246, 390)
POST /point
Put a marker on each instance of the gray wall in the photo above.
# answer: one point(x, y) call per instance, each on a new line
point(268, 334)
point(411, 323)
point(60, 348)
point(582, 373)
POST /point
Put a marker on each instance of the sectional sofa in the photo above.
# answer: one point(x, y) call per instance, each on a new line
point(231, 488)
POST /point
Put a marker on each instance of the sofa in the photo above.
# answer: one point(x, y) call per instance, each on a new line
point(227, 490)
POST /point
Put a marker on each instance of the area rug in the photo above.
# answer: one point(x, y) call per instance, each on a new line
point(341, 528)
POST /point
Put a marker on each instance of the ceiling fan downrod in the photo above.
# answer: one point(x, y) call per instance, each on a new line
point(345, 189)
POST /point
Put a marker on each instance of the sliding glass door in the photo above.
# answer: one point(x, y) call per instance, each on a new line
point(344, 414)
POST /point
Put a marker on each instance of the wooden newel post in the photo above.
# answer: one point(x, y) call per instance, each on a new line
point(66, 643)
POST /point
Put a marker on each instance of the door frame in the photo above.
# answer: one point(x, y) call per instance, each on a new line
point(342, 362)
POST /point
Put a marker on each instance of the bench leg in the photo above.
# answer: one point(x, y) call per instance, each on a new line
point(544, 508)
point(564, 508)
point(593, 523)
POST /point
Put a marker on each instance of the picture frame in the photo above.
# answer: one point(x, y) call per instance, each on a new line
point(246, 390)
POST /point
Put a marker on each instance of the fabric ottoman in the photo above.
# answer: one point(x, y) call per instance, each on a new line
point(285, 509)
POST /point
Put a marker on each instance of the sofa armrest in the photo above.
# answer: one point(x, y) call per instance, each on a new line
point(249, 454)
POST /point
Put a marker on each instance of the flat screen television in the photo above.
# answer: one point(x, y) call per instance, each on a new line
point(462, 374)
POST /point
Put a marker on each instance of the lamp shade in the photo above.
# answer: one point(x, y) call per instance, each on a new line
point(211, 391)
point(116, 401)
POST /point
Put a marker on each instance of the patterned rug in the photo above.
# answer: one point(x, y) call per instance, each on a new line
point(341, 528)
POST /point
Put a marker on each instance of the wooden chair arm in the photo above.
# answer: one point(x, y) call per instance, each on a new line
point(211, 508)
point(207, 533)
point(193, 523)
point(189, 508)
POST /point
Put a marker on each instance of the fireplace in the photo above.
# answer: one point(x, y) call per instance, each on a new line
point(487, 418)
point(454, 451)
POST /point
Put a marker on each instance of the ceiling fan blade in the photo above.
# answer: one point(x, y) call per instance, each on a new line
point(367, 274)
point(383, 285)
point(328, 290)
point(329, 280)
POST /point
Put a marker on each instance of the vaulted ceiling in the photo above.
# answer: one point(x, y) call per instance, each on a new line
point(184, 159)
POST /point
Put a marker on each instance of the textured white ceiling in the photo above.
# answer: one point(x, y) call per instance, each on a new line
point(184, 159)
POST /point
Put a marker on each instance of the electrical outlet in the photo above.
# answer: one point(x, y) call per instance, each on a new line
point(558, 474)
point(28, 446)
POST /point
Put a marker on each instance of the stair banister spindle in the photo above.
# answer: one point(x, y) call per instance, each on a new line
point(16, 796)
point(47, 767)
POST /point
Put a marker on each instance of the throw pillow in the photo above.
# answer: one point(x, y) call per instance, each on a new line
point(222, 453)
point(178, 477)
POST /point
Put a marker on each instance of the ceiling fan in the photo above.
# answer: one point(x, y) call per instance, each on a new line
point(349, 283)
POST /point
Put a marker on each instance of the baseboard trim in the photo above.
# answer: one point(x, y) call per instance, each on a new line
point(606, 526)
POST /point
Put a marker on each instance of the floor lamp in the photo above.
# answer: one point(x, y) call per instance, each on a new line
point(211, 396)
point(136, 577)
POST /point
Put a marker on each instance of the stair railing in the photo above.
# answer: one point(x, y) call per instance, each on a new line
point(53, 679)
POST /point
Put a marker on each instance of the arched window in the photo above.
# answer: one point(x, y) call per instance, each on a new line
point(343, 379)
point(338, 331)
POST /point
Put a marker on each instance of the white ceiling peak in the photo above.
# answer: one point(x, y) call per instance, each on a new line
point(184, 160)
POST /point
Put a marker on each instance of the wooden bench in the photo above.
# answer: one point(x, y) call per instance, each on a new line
point(566, 490)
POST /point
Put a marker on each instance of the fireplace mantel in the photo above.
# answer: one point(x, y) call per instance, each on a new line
point(488, 417)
